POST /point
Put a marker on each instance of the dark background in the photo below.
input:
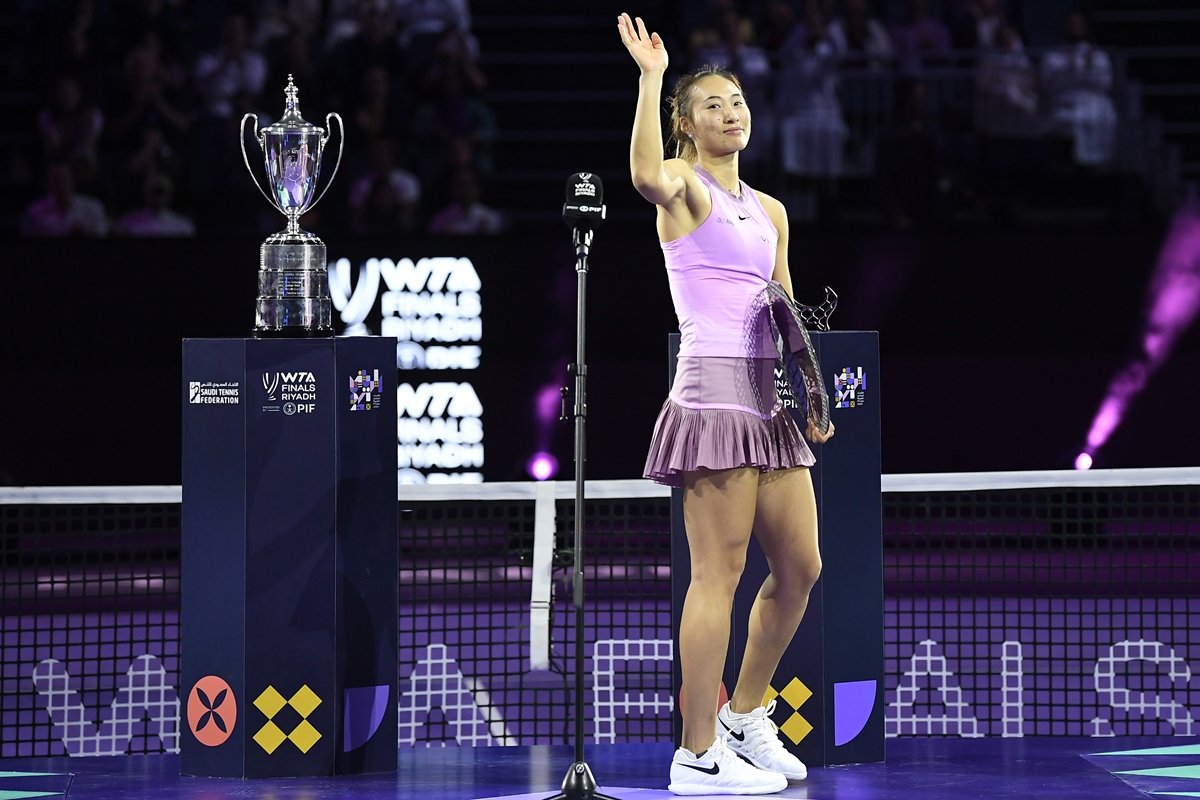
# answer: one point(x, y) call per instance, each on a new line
point(997, 346)
point(1006, 295)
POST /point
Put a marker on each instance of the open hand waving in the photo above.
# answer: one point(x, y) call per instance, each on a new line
point(647, 49)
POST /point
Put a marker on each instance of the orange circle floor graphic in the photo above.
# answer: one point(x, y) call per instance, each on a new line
point(211, 711)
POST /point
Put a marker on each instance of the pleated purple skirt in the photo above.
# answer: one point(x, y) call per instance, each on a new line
point(723, 413)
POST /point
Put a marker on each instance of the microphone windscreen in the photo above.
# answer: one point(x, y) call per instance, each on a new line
point(584, 206)
point(585, 187)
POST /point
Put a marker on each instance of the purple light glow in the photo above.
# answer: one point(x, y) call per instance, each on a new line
point(542, 466)
point(548, 403)
point(1172, 302)
point(1083, 461)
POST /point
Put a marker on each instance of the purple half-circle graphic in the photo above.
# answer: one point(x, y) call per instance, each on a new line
point(852, 706)
point(365, 707)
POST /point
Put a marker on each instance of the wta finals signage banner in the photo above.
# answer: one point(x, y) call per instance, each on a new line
point(433, 308)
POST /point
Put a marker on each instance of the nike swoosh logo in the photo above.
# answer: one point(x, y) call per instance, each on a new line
point(741, 737)
point(742, 218)
point(713, 770)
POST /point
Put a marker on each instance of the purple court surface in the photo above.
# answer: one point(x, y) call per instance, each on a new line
point(916, 769)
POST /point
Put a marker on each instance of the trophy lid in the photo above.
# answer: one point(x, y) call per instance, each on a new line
point(291, 121)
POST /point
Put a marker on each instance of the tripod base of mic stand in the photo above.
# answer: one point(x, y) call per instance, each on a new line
point(579, 785)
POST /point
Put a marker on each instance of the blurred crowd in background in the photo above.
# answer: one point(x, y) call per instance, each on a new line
point(138, 134)
point(910, 113)
point(930, 100)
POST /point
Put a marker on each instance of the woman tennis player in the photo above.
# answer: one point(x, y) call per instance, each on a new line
point(723, 435)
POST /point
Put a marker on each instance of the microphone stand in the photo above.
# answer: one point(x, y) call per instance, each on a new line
point(579, 784)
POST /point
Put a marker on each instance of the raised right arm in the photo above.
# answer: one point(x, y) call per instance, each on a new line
point(652, 177)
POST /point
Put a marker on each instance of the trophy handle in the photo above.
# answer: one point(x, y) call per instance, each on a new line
point(246, 159)
point(341, 145)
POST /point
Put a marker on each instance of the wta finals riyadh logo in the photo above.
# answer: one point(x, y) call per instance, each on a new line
point(271, 384)
point(365, 390)
point(850, 388)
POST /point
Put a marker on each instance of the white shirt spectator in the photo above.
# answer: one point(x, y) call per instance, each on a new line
point(148, 222)
point(230, 70)
point(811, 129)
point(1005, 97)
point(220, 78)
point(472, 219)
point(82, 216)
point(878, 43)
point(404, 184)
point(343, 23)
point(749, 62)
point(807, 77)
point(1076, 80)
point(986, 29)
point(431, 17)
point(1075, 71)
point(278, 18)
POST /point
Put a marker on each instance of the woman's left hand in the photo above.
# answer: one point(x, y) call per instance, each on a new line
point(814, 433)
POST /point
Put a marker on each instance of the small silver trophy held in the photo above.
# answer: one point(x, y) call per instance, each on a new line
point(293, 285)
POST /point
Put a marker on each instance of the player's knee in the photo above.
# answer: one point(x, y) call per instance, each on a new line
point(801, 573)
point(719, 575)
point(811, 570)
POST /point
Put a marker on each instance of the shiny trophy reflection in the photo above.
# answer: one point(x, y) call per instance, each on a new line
point(293, 285)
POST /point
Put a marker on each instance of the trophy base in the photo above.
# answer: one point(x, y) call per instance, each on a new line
point(293, 333)
point(293, 317)
point(293, 288)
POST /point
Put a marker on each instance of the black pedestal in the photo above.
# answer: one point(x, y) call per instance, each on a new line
point(289, 591)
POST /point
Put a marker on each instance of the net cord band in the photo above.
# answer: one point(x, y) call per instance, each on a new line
point(643, 489)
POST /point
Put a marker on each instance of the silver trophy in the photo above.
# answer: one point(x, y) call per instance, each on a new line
point(293, 285)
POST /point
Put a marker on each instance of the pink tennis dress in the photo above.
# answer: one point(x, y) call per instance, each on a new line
point(723, 410)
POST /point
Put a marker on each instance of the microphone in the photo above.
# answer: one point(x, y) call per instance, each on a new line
point(584, 209)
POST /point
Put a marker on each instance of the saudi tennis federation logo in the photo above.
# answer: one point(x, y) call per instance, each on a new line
point(365, 390)
point(211, 711)
point(850, 388)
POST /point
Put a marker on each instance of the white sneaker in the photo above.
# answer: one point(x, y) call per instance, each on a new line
point(719, 771)
point(755, 738)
